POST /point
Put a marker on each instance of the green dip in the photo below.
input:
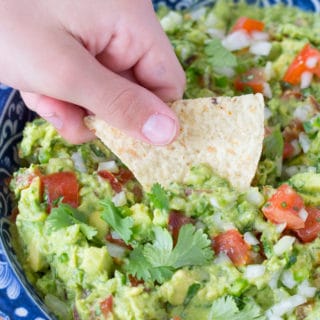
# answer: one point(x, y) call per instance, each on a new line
point(96, 247)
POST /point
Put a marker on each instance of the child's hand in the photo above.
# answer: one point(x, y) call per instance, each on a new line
point(107, 57)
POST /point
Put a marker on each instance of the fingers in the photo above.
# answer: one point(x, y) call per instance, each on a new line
point(65, 117)
point(120, 102)
point(147, 51)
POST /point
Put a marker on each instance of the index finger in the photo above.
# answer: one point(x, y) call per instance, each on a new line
point(160, 71)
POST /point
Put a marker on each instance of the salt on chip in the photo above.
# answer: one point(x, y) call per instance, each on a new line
point(224, 132)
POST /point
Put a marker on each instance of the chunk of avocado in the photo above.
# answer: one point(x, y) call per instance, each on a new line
point(308, 186)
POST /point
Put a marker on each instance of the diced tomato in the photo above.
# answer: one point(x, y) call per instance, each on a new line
point(233, 245)
point(288, 150)
point(253, 79)
point(134, 281)
point(284, 207)
point(117, 241)
point(124, 175)
point(299, 65)
point(176, 318)
point(62, 185)
point(248, 24)
point(312, 225)
point(176, 221)
point(115, 184)
point(106, 306)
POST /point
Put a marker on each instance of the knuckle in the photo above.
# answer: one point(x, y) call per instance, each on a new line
point(122, 105)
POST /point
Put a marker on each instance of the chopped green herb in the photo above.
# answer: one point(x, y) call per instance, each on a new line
point(112, 215)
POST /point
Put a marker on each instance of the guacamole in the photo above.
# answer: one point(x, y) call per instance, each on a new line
point(96, 246)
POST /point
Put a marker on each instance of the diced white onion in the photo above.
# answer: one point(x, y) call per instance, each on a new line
point(225, 71)
point(283, 245)
point(78, 162)
point(273, 283)
point(198, 13)
point(259, 35)
point(214, 202)
point(267, 113)
point(236, 40)
point(286, 305)
point(291, 171)
point(254, 271)
point(274, 317)
point(312, 62)
point(306, 79)
point(305, 290)
point(280, 227)
point(115, 250)
point(260, 48)
point(288, 280)
point(267, 90)
point(302, 112)
point(304, 141)
point(268, 71)
point(109, 166)
point(303, 214)
point(115, 235)
point(250, 238)
point(221, 224)
point(254, 196)
point(119, 199)
point(222, 258)
point(171, 21)
point(296, 147)
point(215, 33)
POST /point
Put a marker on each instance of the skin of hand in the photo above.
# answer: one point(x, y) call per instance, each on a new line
point(70, 58)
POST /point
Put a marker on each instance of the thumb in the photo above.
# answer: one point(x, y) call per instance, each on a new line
point(81, 80)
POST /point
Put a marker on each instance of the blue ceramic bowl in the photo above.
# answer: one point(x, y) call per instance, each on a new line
point(18, 300)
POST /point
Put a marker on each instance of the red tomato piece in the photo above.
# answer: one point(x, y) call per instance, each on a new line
point(284, 206)
point(312, 225)
point(299, 65)
point(233, 245)
point(115, 184)
point(106, 306)
point(62, 185)
point(288, 150)
point(124, 175)
point(117, 241)
point(253, 79)
point(176, 221)
point(248, 24)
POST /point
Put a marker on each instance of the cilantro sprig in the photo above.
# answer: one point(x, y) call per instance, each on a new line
point(112, 215)
point(158, 260)
point(226, 308)
point(218, 55)
point(64, 216)
point(158, 197)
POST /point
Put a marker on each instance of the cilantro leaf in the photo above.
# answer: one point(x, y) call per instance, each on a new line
point(112, 215)
point(192, 291)
point(64, 216)
point(142, 269)
point(158, 197)
point(158, 260)
point(160, 252)
point(199, 247)
point(218, 55)
point(226, 308)
point(273, 144)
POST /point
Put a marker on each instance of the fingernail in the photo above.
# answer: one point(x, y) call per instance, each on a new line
point(53, 119)
point(159, 129)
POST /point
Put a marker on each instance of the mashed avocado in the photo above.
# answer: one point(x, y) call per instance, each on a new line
point(96, 246)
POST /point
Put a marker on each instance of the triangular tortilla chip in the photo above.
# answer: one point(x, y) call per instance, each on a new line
point(227, 133)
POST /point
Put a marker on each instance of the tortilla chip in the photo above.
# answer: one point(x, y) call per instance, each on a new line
point(224, 132)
